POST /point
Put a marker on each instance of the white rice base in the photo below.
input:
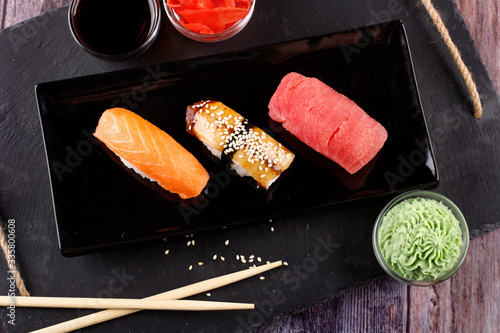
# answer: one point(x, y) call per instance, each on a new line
point(133, 167)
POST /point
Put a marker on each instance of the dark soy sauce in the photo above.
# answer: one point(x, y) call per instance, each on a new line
point(113, 27)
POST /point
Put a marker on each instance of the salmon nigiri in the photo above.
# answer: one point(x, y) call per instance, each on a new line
point(151, 152)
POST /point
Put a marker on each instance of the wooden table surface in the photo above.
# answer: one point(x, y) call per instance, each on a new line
point(468, 302)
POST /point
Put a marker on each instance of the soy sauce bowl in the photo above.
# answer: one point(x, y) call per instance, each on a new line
point(114, 29)
point(208, 38)
point(455, 211)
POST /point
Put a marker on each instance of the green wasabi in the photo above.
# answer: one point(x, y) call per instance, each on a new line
point(420, 239)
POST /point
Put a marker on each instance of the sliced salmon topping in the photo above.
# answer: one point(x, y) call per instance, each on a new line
point(152, 152)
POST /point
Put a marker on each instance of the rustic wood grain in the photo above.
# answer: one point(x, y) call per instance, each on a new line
point(379, 306)
point(482, 19)
point(469, 302)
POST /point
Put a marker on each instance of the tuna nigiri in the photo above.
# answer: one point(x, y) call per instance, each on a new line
point(327, 121)
point(151, 152)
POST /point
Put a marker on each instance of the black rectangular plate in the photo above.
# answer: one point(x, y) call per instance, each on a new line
point(98, 203)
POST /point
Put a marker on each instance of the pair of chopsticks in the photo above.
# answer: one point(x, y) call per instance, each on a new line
point(170, 300)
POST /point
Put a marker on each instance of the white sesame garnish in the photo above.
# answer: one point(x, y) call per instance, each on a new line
point(214, 257)
point(272, 229)
point(208, 294)
point(226, 242)
point(190, 267)
point(167, 251)
point(259, 259)
point(200, 264)
point(222, 258)
point(251, 257)
point(285, 263)
point(237, 257)
point(262, 278)
point(188, 243)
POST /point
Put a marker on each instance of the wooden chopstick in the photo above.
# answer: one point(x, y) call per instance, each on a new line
point(175, 294)
point(120, 303)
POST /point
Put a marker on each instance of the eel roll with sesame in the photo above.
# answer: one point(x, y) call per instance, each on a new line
point(228, 135)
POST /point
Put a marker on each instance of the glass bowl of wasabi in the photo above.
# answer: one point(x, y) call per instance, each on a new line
point(420, 238)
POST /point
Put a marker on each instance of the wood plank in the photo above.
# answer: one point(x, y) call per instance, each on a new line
point(18, 11)
point(469, 301)
point(13, 12)
point(378, 306)
point(481, 18)
point(53, 4)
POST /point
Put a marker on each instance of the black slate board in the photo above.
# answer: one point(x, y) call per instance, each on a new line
point(328, 250)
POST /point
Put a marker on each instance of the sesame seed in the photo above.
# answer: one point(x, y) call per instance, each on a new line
point(262, 278)
point(272, 229)
point(192, 243)
point(167, 251)
point(188, 243)
point(214, 257)
point(237, 257)
point(262, 176)
point(208, 294)
point(222, 258)
point(200, 264)
point(190, 267)
point(226, 242)
point(259, 259)
point(251, 257)
point(285, 263)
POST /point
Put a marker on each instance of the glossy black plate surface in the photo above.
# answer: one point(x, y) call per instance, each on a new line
point(98, 203)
